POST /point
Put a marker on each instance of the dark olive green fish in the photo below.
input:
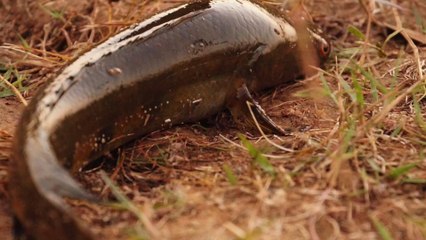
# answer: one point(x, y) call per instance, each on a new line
point(179, 66)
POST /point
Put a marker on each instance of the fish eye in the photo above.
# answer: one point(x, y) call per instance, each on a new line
point(322, 45)
point(325, 48)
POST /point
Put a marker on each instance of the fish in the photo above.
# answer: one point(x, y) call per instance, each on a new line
point(179, 66)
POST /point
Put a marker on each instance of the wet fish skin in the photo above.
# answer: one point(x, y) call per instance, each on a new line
point(179, 66)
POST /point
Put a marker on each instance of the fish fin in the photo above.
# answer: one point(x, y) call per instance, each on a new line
point(50, 177)
point(55, 182)
point(61, 184)
point(248, 113)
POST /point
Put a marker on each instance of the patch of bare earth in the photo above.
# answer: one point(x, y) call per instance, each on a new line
point(353, 168)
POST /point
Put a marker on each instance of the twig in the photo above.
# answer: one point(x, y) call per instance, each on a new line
point(409, 40)
point(15, 90)
point(368, 8)
point(380, 116)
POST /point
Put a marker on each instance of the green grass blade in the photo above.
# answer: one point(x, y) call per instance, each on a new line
point(356, 32)
point(54, 14)
point(125, 204)
point(327, 89)
point(415, 180)
point(402, 170)
point(392, 35)
point(375, 84)
point(349, 134)
point(359, 96)
point(381, 229)
point(23, 42)
point(16, 79)
point(418, 113)
point(419, 19)
point(347, 88)
point(258, 158)
point(397, 130)
point(230, 175)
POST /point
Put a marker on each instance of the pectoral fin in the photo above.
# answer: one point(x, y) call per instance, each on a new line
point(248, 113)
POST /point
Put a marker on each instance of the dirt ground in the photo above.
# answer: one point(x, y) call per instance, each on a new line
point(353, 168)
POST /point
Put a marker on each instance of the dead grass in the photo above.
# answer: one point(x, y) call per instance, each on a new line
point(356, 169)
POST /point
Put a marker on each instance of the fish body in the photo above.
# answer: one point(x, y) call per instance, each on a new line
point(179, 66)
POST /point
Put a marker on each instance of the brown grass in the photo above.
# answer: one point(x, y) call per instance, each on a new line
point(356, 167)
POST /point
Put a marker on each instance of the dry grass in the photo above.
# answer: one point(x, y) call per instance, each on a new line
point(354, 167)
